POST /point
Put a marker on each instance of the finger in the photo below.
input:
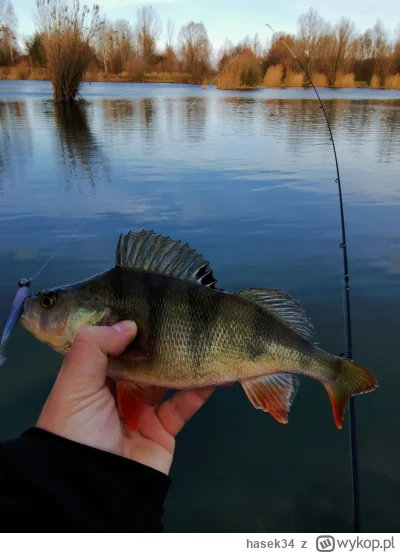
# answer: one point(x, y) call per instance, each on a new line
point(177, 410)
point(87, 361)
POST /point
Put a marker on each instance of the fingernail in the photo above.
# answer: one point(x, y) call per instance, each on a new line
point(125, 326)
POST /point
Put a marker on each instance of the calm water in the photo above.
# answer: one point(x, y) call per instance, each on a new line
point(247, 179)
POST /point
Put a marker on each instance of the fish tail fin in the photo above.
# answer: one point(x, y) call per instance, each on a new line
point(351, 379)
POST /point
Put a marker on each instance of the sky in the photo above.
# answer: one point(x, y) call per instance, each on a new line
point(235, 19)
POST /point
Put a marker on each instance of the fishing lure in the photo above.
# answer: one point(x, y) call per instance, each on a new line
point(14, 314)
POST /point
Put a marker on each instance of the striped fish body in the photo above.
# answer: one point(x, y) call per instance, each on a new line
point(195, 335)
point(190, 333)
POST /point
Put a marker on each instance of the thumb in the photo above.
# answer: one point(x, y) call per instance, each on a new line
point(87, 361)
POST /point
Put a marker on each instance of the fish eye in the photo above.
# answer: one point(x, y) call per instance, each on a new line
point(48, 300)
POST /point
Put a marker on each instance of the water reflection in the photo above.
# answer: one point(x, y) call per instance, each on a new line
point(80, 154)
point(116, 111)
point(195, 119)
point(131, 124)
point(390, 140)
point(14, 123)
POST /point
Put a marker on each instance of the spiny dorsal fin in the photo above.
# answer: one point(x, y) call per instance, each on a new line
point(273, 394)
point(283, 306)
point(146, 251)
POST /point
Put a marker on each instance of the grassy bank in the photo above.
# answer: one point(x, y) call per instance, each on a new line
point(24, 73)
point(272, 79)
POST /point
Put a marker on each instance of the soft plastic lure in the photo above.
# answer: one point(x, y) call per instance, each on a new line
point(14, 314)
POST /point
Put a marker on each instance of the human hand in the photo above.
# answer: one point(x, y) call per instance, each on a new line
point(82, 408)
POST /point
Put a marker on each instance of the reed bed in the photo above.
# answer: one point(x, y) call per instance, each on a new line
point(293, 78)
point(345, 80)
point(375, 82)
point(393, 81)
point(320, 79)
point(227, 80)
point(273, 76)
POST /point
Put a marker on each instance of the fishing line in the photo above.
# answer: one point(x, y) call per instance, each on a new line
point(347, 319)
point(81, 225)
point(59, 249)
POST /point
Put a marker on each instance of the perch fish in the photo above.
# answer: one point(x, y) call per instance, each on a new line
point(192, 334)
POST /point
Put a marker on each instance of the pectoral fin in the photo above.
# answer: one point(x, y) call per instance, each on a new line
point(134, 352)
point(273, 394)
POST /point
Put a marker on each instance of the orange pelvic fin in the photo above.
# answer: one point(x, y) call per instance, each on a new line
point(273, 394)
point(132, 399)
point(130, 405)
point(352, 379)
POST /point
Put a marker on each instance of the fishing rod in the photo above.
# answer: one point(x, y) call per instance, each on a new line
point(347, 314)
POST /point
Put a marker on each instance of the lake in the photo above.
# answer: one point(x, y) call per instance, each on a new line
point(248, 179)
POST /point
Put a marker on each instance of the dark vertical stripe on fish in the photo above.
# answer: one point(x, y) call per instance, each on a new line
point(156, 299)
point(203, 316)
point(255, 345)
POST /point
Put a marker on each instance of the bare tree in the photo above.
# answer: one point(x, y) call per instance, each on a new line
point(8, 32)
point(148, 29)
point(170, 33)
point(124, 38)
point(396, 50)
point(311, 30)
point(256, 45)
point(343, 36)
point(104, 43)
point(194, 49)
point(277, 53)
point(381, 50)
point(69, 31)
point(365, 49)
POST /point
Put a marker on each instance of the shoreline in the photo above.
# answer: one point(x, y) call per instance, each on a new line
point(115, 79)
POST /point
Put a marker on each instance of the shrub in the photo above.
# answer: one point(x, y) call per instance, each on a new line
point(242, 71)
point(293, 78)
point(273, 76)
point(375, 82)
point(135, 70)
point(319, 79)
point(345, 80)
point(67, 32)
point(393, 81)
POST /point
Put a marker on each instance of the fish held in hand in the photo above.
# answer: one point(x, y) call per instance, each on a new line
point(192, 334)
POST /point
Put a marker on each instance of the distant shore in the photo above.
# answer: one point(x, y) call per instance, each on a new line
point(38, 74)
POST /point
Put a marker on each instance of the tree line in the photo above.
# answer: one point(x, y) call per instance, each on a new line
point(72, 40)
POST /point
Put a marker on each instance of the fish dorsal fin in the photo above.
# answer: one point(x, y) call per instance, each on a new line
point(283, 306)
point(146, 251)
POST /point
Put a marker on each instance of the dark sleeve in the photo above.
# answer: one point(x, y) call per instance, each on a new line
point(49, 483)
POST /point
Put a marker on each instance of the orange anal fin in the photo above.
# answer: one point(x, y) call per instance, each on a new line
point(130, 405)
point(273, 394)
